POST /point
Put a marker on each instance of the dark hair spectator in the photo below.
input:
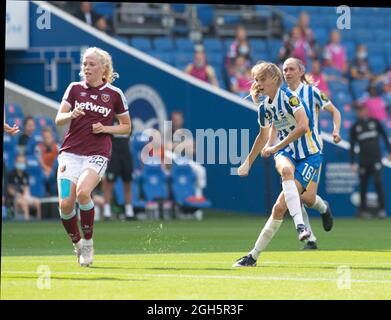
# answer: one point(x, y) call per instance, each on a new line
point(200, 69)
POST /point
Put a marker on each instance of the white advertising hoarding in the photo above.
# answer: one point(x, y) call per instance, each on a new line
point(17, 25)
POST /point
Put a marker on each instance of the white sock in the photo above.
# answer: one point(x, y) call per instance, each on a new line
point(292, 200)
point(269, 230)
point(107, 210)
point(319, 205)
point(97, 213)
point(306, 219)
point(129, 211)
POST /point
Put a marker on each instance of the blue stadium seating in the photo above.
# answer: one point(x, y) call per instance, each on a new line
point(184, 186)
point(166, 57)
point(141, 43)
point(258, 45)
point(137, 200)
point(359, 87)
point(13, 110)
point(9, 151)
point(138, 142)
point(37, 178)
point(212, 44)
point(184, 44)
point(154, 181)
point(377, 63)
point(183, 58)
point(105, 9)
point(205, 13)
point(163, 44)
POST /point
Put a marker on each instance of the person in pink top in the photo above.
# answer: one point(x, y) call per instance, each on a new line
point(241, 81)
point(334, 53)
point(201, 69)
point(295, 46)
point(375, 104)
point(89, 108)
point(319, 77)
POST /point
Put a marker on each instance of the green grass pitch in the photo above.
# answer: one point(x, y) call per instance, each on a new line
point(190, 260)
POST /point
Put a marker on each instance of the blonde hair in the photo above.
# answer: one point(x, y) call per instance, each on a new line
point(269, 69)
point(105, 59)
point(306, 78)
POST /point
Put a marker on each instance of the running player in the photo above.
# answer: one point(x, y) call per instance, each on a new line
point(296, 151)
point(314, 99)
point(89, 106)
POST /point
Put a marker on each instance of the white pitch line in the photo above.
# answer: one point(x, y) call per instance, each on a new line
point(194, 276)
point(303, 263)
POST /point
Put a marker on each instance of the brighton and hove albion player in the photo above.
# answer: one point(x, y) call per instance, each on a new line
point(315, 100)
point(89, 108)
point(287, 132)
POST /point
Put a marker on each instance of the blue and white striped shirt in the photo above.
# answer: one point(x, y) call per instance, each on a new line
point(314, 99)
point(281, 112)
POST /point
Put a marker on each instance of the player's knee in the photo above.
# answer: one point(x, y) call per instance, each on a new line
point(279, 210)
point(287, 173)
point(308, 199)
point(66, 205)
point(82, 194)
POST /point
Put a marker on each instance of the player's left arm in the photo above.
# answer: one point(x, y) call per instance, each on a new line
point(336, 121)
point(124, 126)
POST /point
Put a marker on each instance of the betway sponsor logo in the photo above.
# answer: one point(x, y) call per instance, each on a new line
point(93, 107)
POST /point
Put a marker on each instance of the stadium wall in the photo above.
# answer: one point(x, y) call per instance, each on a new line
point(154, 89)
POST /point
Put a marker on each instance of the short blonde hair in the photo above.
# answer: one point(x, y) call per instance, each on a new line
point(105, 59)
point(264, 68)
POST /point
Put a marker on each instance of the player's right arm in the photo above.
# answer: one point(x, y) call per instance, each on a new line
point(259, 143)
point(65, 115)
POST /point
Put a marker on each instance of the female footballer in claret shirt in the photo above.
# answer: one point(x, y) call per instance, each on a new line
point(89, 107)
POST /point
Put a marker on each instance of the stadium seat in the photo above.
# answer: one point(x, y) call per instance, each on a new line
point(212, 44)
point(258, 45)
point(205, 13)
point(105, 9)
point(138, 142)
point(37, 178)
point(184, 187)
point(137, 200)
point(9, 151)
point(154, 181)
point(377, 63)
point(215, 59)
point(118, 192)
point(46, 121)
point(359, 88)
point(163, 44)
point(184, 44)
point(141, 43)
point(16, 120)
point(13, 110)
point(32, 142)
point(166, 57)
point(337, 86)
point(183, 58)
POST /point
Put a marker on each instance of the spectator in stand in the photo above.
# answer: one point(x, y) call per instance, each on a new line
point(240, 46)
point(47, 152)
point(86, 14)
point(103, 25)
point(359, 68)
point(375, 104)
point(296, 46)
point(319, 77)
point(306, 32)
point(19, 190)
point(334, 54)
point(28, 130)
point(241, 80)
point(385, 81)
point(201, 69)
